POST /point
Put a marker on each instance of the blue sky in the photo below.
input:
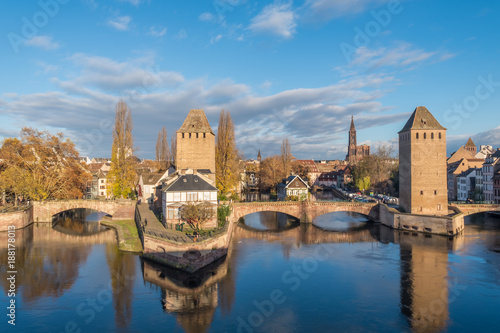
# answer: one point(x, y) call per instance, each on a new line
point(296, 69)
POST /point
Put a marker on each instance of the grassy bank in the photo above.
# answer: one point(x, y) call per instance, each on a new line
point(128, 238)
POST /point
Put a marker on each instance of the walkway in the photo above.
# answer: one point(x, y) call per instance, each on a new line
point(155, 228)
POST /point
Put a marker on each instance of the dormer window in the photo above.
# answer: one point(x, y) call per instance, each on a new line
point(184, 180)
point(196, 180)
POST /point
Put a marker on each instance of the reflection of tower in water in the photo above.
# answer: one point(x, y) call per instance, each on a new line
point(192, 298)
point(424, 288)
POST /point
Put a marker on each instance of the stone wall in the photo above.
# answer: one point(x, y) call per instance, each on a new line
point(19, 219)
point(188, 257)
point(195, 152)
point(442, 225)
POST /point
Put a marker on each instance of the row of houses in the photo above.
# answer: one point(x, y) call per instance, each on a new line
point(474, 175)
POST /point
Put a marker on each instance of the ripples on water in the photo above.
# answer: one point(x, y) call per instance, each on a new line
point(343, 273)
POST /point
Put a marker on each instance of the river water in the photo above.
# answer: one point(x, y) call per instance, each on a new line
point(343, 274)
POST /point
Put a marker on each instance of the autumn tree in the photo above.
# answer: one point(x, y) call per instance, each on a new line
point(42, 166)
point(286, 158)
point(162, 149)
point(377, 171)
point(173, 149)
point(300, 169)
point(270, 172)
point(122, 173)
point(226, 155)
point(197, 214)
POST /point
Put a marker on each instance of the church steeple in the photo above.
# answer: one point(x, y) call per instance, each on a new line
point(259, 157)
point(352, 124)
point(352, 134)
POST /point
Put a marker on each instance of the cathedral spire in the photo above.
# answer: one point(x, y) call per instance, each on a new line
point(352, 123)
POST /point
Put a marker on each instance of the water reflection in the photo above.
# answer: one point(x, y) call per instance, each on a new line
point(81, 222)
point(192, 298)
point(48, 261)
point(342, 222)
point(270, 221)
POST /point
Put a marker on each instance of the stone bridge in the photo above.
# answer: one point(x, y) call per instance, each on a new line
point(305, 211)
point(469, 209)
point(118, 209)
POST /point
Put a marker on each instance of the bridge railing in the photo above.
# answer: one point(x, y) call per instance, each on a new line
point(12, 209)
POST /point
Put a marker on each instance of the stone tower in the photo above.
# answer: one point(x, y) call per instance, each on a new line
point(351, 150)
point(471, 147)
point(422, 165)
point(196, 143)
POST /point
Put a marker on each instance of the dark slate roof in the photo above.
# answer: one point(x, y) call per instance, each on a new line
point(422, 119)
point(190, 183)
point(151, 178)
point(196, 122)
point(470, 143)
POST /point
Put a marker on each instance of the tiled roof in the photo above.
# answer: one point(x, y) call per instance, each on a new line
point(190, 183)
point(470, 143)
point(310, 164)
point(151, 178)
point(422, 119)
point(196, 122)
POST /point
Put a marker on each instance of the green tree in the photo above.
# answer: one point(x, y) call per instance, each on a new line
point(226, 155)
point(122, 173)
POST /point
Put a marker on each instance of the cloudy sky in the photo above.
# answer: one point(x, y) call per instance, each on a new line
point(296, 69)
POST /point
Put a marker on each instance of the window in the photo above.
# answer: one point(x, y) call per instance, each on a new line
point(425, 135)
point(102, 187)
point(417, 136)
point(102, 193)
point(190, 135)
point(440, 135)
point(183, 135)
point(102, 181)
point(197, 135)
point(432, 135)
point(192, 196)
point(421, 192)
point(203, 135)
point(439, 207)
point(435, 192)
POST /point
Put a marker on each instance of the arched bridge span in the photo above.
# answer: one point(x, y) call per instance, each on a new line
point(118, 209)
point(305, 211)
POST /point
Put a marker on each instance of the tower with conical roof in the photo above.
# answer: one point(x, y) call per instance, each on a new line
point(196, 144)
point(422, 165)
point(470, 146)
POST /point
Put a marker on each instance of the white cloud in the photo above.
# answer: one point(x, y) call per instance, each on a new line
point(158, 31)
point(330, 9)
point(135, 3)
point(47, 68)
point(44, 42)
point(316, 118)
point(107, 74)
point(215, 39)
point(206, 17)
point(403, 55)
point(275, 19)
point(120, 23)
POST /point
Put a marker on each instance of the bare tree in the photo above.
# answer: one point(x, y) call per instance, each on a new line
point(286, 157)
point(162, 149)
point(173, 149)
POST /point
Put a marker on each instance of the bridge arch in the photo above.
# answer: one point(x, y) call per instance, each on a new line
point(471, 209)
point(306, 212)
point(118, 209)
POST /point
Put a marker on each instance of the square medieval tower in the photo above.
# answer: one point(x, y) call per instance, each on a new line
point(196, 144)
point(422, 165)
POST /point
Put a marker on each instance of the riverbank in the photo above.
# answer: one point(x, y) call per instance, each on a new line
point(126, 234)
